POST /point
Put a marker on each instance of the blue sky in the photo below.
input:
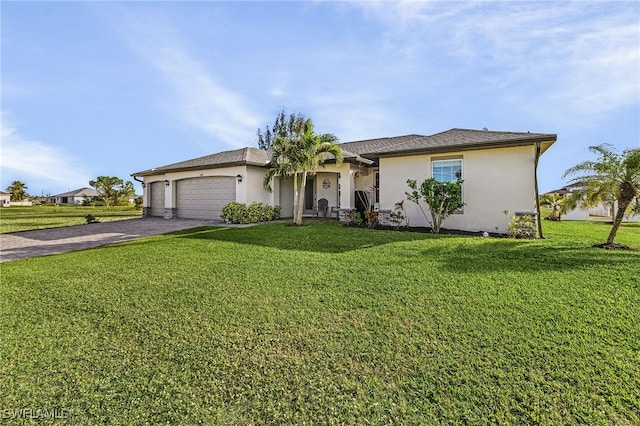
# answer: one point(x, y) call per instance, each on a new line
point(111, 88)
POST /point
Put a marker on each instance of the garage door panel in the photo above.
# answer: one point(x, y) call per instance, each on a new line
point(157, 199)
point(204, 198)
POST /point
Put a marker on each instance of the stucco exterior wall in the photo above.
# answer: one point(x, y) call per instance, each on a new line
point(495, 180)
point(331, 193)
point(255, 191)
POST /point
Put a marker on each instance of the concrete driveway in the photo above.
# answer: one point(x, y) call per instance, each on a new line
point(42, 242)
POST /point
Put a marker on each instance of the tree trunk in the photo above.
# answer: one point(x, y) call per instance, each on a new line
point(623, 203)
point(295, 197)
point(301, 192)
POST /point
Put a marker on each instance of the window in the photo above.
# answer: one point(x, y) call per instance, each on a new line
point(447, 170)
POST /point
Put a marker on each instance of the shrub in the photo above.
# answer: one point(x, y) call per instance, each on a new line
point(442, 198)
point(235, 212)
point(371, 218)
point(91, 219)
point(523, 227)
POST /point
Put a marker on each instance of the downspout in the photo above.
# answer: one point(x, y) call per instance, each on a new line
point(138, 180)
point(145, 211)
point(535, 178)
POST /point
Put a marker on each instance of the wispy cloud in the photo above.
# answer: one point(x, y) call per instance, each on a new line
point(203, 102)
point(580, 57)
point(39, 165)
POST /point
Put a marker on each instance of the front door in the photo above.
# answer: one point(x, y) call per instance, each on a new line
point(308, 195)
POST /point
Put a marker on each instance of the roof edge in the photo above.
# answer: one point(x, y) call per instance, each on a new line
point(552, 138)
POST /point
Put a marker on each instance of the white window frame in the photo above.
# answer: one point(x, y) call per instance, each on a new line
point(434, 161)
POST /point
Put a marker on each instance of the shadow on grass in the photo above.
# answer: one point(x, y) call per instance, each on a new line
point(452, 252)
point(317, 236)
point(527, 256)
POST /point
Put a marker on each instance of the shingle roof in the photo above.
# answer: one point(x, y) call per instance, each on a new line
point(371, 149)
point(368, 146)
point(242, 156)
point(461, 139)
point(82, 192)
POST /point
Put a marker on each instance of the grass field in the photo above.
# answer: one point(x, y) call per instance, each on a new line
point(14, 219)
point(328, 325)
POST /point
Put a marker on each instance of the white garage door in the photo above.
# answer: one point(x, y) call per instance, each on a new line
point(157, 199)
point(204, 198)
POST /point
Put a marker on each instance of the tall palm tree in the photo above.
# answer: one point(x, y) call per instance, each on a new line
point(612, 177)
point(300, 154)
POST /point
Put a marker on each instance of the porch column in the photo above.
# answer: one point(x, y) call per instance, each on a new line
point(170, 209)
point(146, 194)
point(346, 188)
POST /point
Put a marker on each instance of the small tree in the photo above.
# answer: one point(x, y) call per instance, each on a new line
point(442, 198)
point(113, 190)
point(18, 191)
point(558, 204)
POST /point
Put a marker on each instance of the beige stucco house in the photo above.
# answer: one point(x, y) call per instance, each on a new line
point(498, 169)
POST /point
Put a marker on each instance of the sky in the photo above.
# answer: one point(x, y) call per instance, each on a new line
point(115, 87)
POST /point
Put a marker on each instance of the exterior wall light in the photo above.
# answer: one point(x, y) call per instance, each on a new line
point(166, 182)
point(239, 178)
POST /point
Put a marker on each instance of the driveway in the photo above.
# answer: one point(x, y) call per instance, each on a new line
point(42, 242)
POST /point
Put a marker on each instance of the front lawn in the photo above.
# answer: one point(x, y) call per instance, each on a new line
point(328, 325)
point(14, 219)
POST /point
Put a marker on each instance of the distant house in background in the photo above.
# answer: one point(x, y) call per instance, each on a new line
point(602, 211)
point(77, 196)
point(5, 199)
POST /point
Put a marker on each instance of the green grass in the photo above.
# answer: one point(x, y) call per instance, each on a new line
point(328, 325)
point(13, 219)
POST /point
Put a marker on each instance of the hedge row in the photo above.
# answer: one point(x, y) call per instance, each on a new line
point(235, 212)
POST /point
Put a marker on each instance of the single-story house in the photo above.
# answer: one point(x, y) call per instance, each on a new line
point(498, 169)
point(77, 196)
point(5, 199)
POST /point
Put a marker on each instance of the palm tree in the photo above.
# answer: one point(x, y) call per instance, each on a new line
point(18, 191)
point(613, 176)
point(559, 204)
point(300, 154)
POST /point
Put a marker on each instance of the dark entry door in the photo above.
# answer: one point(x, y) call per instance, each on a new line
point(308, 194)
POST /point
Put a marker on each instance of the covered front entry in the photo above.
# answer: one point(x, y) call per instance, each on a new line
point(204, 197)
point(157, 199)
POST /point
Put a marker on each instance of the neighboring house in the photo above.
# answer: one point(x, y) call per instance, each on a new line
point(498, 169)
point(5, 199)
point(602, 211)
point(77, 196)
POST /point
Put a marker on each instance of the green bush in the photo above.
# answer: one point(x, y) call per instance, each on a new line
point(235, 212)
point(523, 227)
point(91, 219)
